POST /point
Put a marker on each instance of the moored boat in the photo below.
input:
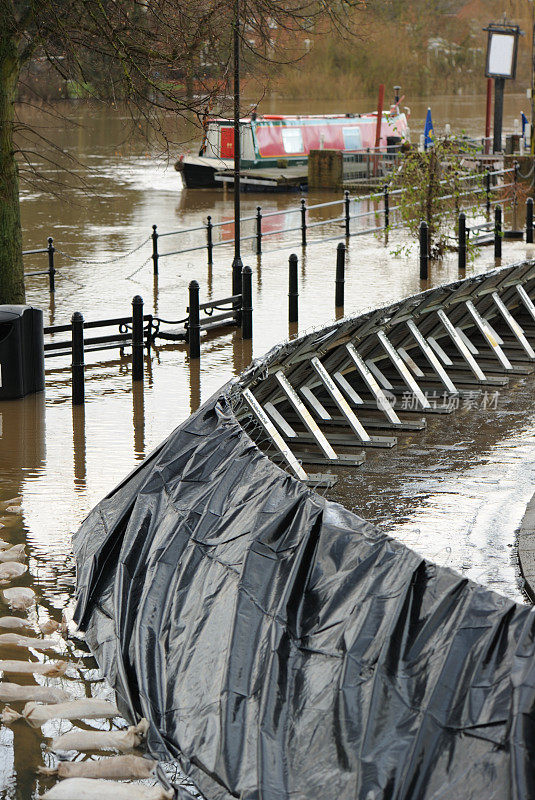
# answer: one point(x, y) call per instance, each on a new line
point(284, 141)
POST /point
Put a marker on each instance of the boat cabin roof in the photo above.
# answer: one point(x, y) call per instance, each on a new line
point(300, 119)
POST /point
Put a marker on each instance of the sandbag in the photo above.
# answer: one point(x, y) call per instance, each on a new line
point(15, 693)
point(18, 640)
point(15, 553)
point(15, 623)
point(49, 626)
point(36, 714)
point(85, 741)
point(19, 597)
point(10, 570)
point(3, 544)
point(115, 767)
point(13, 510)
point(52, 669)
point(9, 715)
point(89, 789)
point(13, 501)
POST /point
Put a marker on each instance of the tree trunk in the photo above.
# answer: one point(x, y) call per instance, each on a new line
point(11, 267)
point(189, 83)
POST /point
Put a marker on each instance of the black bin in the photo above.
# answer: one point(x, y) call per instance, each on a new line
point(22, 364)
point(393, 144)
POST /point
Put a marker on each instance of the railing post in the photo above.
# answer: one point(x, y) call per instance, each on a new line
point(340, 275)
point(258, 230)
point(387, 207)
point(149, 339)
point(137, 338)
point(209, 240)
point(515, 195)
point(303, 223)
point(347, 205)
point(247, 304)
point(368, 163)
point(487, 190)
point(51, 269)
point(236, 282)
point(77, 364)
point(155, 249)
point(462, 241)
point(498, 232)
point(293, 290)
point(194, 323)
point(529, 220)
point(424, 251)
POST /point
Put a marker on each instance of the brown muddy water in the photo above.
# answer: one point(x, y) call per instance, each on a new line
point(456, 492)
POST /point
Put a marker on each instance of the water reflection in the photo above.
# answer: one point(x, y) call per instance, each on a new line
point(78, 437)
point(52, 309)
point(22, 441)
point(138, 414)
point(155, 294)
point(293, 329)
point(27, 749)
point(194, 383)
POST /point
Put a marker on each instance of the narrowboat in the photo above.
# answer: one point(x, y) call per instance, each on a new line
point(281, 141)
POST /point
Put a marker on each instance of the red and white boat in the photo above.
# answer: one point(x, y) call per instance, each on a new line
point(281, 141)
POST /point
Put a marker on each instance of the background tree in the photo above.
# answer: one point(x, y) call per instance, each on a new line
point(434, 189)
point(140, 52)
point(426, 46)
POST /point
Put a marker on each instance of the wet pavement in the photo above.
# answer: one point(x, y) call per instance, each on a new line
point(456, 491)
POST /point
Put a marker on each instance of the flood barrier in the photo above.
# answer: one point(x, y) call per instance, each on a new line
point(278, 644)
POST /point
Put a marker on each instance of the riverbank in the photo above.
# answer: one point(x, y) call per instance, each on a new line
point(426, 48)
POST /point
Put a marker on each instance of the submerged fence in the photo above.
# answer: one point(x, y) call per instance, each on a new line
point(301, 221)
point(140, 330)
point(376, 219)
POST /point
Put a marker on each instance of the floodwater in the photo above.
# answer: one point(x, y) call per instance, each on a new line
point(455, 492)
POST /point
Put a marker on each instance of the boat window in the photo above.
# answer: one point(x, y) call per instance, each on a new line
point(292, 140)
point(352, 138)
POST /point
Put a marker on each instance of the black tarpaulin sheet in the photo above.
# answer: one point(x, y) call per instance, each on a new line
point(282, 647)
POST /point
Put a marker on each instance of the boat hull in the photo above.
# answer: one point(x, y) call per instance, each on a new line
point(197, 175)
point(198, 172)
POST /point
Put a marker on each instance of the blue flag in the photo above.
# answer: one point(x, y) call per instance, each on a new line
point(429, 133)
point(524, 124)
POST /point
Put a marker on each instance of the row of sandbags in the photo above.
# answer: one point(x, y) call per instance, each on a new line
point(91, 779)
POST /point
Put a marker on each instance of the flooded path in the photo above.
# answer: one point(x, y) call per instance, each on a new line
point(454, 493)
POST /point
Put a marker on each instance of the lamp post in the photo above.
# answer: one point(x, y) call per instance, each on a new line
point(502, 47)
point(237, 262)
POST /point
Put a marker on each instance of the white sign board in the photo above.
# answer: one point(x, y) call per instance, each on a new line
point(501, 54)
